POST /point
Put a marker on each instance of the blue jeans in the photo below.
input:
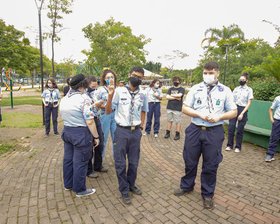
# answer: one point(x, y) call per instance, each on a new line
point(154, 110)
point(108, 123)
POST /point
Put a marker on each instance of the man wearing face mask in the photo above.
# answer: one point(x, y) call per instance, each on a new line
point(174, 107)
point(131, 105)
point(209, 103)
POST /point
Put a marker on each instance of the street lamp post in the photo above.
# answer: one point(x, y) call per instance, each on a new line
point(41, 52)
point(227, 45)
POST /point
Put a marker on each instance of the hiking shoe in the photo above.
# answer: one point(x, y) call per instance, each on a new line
point(167, 135)
point(56, 133)
point(67, 189)
point(85, 193)
point(93, 175)
point(208, 203)
point(237, 150)
point(126, 199)
point(177, 136)
point(102, 170)
point(180, 192)
point(228, 148)
point(156, 135)
point(46, 134)
point(136, 190)
point(269, 158)
point(146, 134)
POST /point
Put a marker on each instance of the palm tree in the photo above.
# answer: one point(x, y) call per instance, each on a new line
point(226, 34)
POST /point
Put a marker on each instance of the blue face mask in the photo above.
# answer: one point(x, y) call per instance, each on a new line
point(156, 86)
point(108, 81)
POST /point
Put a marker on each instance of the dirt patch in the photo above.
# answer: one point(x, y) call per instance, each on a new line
point(23, 108)
point(27, 92)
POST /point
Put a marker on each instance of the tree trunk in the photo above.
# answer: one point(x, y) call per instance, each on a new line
point(32, 77)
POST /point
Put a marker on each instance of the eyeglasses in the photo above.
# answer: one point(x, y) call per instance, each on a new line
point(138, 76)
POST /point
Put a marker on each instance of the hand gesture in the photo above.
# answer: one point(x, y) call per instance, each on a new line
point(111, 87)
point(213, 118)
point(98, 103)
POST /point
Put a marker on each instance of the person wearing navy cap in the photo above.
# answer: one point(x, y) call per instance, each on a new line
point(79, 135)
point(209, 103)
point(131, 105)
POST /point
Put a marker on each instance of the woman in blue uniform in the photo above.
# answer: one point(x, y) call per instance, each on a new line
point(51, 99)
point(108, 122)
point(154, 94)
point(79, 136)
point(243, 96)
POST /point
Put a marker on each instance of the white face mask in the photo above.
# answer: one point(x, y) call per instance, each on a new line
point(209, 79)
point(50, 85)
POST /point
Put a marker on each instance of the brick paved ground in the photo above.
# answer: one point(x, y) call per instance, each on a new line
point(31, 188)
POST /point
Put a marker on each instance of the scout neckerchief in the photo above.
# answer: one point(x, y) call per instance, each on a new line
point(73, 92)
point(133, 94)
point(51, 95)
point(209, 99)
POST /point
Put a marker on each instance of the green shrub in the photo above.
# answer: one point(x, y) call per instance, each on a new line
point(265, 89)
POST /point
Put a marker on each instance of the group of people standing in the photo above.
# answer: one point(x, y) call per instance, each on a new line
point(89, 115)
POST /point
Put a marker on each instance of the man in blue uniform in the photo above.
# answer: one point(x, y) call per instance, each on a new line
point(208, 103)
point(131, 105)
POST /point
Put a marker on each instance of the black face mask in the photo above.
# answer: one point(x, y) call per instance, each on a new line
point(176, 84)
point(90, 89)
point(242, 83)
point(134, 81)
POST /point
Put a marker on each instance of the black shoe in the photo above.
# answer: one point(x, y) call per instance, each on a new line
point(136, 190)
point(126, 199)
point(56, 133)
point(208, 203)
point(180, 192)
point(177, 136)
point(103, 170)
point(46, 134)
point(93, 175)
point(167, 135)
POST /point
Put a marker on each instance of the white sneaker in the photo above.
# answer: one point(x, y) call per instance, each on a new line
point(145, 134)
point(156, 135)
point(237, 150)
point(228, 148)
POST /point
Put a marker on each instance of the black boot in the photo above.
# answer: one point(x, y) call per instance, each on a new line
point(177, 136)
point(167, 135)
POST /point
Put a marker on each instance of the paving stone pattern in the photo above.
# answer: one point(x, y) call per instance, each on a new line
point(31, 187)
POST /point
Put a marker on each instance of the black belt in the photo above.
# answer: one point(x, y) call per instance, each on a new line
point(154, 102)
point(132, 128)
point(207, 128)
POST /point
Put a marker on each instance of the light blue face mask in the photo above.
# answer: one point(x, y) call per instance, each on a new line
point(108, 81)
point(156, 86)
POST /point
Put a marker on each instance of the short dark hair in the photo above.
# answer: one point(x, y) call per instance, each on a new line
point(91, 78)
point(83, 84)
point(68, 80)
point(175, 78)
point(211, 65)
point(137, 69)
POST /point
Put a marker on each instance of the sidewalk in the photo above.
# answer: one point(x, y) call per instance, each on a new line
point(31, 187)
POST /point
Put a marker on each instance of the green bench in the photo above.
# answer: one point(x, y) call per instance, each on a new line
point(258, 128)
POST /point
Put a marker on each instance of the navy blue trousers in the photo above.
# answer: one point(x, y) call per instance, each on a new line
point(209, 144)
point(240, 129)
point(51, 111)
point(97, 164)
point(274, 138)
point(154, 110)
point(78, 143)
point(126, 144)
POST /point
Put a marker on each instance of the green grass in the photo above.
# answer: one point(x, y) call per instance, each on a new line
point(21, 100)
point(5, 148)
point(21, 120)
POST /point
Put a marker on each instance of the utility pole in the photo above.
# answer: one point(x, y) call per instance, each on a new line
point(227, 45)
point(39, 8)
